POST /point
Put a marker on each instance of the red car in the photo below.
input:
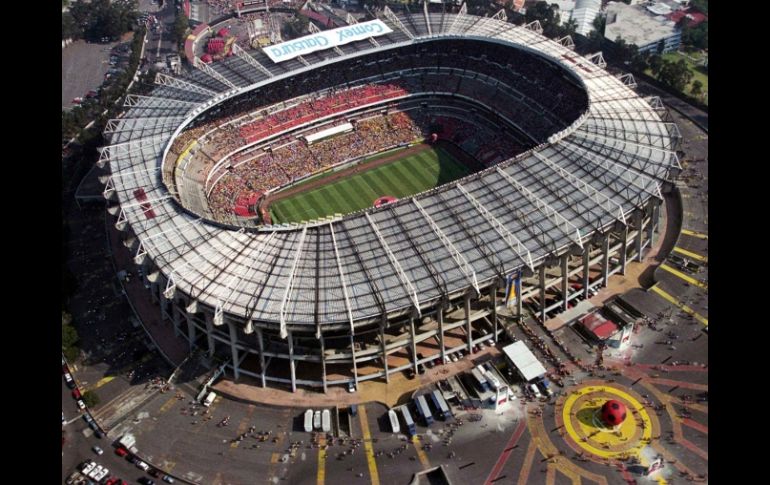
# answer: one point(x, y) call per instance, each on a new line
point(120, 451)
point(76, 393)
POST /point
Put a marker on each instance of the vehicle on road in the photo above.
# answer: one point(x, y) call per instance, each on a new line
point(309, 421)
point(97, 450)
point(168, 479)
point(209, 399)
point(142, 465)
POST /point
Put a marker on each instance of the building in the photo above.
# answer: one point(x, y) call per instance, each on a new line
point(583, 12)
point(647, 27)
point(362, 296)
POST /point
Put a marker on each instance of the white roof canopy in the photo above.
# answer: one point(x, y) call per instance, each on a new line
point(524, 361)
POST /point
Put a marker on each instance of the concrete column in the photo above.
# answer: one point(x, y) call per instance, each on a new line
point(565, 281)
point(414, 344)
point(190, 331)
point(467, 304)
point(355, 364)
point(384, 352)
point(163, 302)
point(291, 363)
point(494, 312)
point(623, 250)
point(323, 362)
point(176, 318)
point(542, 293)
point(261, 347)
point(210, 332)
point(639, 232)
point(606, 259)
point(654, 213)
point(441, 333)
point(586, 273)
point(234, 349)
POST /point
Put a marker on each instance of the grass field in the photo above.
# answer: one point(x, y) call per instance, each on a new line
point(400, 178)
point(697, 73)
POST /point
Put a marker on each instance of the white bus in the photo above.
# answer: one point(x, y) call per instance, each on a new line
point(309, 420)
point(394, 421)
point(480, 379)
point(408, 420)
point(326, 421)
point(493, 381)
point(422, 408)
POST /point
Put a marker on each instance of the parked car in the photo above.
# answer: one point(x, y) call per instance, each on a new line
point(87, 466)
point(146, 481)
point(168, 479)
point(76, 393)
point(101, 475)
point(97, 450)
point(351, 387)
point(120, 451)
point(144, 466)
point(81, 404)
point(69, 380)
point(95, 471)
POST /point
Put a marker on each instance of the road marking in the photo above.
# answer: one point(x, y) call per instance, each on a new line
point(685, 277)
point(168, 404)
point(550, 476)
point(503, 458)
point(375, 478)
point(681, 306)
point(321, 477)
point(695, 234)
point(527, 465)
point(100, 383)
point(420, 452)
point(690, 254)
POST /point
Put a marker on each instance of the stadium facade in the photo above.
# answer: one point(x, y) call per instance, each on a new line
point(354, 297)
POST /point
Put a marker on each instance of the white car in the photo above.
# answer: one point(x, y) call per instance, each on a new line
point(97, 450)
point(95, 471)
point(144, 466)
point(535, 391)
point(81, 404)
point(88, 467)
point(351, 387)
point(100, 476)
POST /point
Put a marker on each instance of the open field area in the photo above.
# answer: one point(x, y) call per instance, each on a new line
point(418, 171)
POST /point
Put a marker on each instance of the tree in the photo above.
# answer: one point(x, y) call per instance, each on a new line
point(548, 17)
point(297, 27)
point(69, 339)
point(697, 88)
point(179, 31)
point(655, 62)
point(90, 398)
point(675, 74)
point(69, 28)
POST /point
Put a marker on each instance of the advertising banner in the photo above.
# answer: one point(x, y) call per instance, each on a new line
point(325, 40)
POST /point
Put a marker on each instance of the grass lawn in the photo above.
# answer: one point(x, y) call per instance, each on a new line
point(401, 178)
point(697, 74)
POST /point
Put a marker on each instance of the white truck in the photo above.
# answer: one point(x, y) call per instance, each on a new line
point(209, 399)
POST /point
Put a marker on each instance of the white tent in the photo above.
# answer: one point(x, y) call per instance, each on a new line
point(524, 360)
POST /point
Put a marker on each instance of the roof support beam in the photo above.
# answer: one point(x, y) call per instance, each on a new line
point(601, 200)
point(598, 59)
point(198, 63)
point(460, 260)
point(534, 26)
point(566, 226)
point(250, 60)
point(407, 284)
point(462, 13)
point(507, 236)
point(427, 16)
point(231, 290)
point(342, 280)
point(290, 281)
point(352, 20)
point(166, 80)
point(388, 13)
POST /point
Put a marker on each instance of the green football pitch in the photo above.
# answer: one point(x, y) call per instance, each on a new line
point(400, 178)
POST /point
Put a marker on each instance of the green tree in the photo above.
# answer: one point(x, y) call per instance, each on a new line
point(297, 27)
point(179, 31)
point(90, 398)
point(675, 74)
point(69, 28)
point(547, 15)
point(697, 88)
point(69, 340)
point(655, 62)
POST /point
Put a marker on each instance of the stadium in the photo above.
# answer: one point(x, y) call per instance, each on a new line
point(354, 203)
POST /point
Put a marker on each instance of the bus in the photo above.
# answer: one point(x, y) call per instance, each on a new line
point(408, 420)
point(480, 379)
point(493, 381)
point(309, 420)
point(394, 421)
point(326, 421)
point(422, 408)
point(440, 403)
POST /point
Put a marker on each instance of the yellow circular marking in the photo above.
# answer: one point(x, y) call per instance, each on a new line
point(601, 441)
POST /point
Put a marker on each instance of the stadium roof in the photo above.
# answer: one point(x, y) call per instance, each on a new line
point(353, 270)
